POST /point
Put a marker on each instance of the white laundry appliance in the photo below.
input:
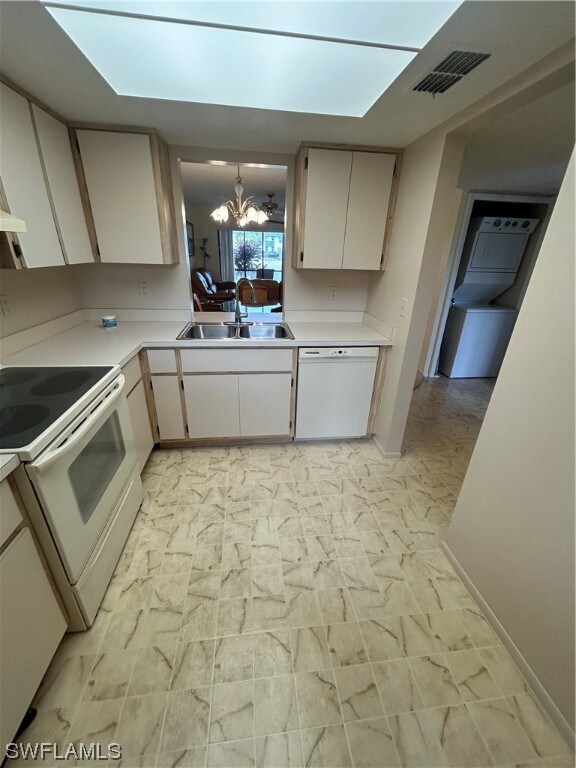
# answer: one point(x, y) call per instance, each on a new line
point(477, 332)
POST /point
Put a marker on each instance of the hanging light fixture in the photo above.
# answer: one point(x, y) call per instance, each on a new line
point(244, 212)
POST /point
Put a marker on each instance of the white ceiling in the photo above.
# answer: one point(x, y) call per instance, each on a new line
point(37, 55)
point(206, 184)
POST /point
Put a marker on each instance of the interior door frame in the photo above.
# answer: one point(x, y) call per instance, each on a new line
point(430, 368)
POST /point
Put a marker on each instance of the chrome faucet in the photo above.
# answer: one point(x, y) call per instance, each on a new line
point(238, 315)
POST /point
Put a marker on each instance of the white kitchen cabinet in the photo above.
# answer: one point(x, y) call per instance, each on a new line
point(212, 405)
point(344, 201)
point(25, 189)
point(128, 184)
point(138, 409)
point(166, 390)
point(265, 400)
point(31, 627)
point(368, 201)
point(63, 183)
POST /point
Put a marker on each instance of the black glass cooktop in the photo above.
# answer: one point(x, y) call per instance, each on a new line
point(31, 399)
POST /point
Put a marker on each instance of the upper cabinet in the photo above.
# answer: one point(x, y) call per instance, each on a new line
point(127, 179)
point(26, 184)
point(344, 207)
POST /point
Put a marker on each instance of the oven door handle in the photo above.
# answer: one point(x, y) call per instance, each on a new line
point(107, 400)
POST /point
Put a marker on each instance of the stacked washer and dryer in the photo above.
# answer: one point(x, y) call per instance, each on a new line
point(477, 331)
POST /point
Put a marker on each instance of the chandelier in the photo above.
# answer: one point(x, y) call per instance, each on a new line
point(244, 212)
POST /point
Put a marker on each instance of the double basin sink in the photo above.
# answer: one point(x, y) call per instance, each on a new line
point(240, 331)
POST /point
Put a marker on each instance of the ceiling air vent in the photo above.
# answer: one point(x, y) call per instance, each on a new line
point(450, 71)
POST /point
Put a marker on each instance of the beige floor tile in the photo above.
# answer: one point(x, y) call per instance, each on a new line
point(372, 744)
point(275, 705)
point(459, 739)
point(345, 644)
point(415, 740)
point(269, 612)
point(501, 731)
point(140, 724)
point(233, 660)
point(51, 726)
point(272, 655)
point(471, 675)
point(317, 699)
point(162, 626)
point(152, 670)
point(448, 631)
point(186, 720)
point(235, 616)
point(198, 621)
point(96, 723)
point(478, 629)
point(544, 737)
point(192, 667)
point(124, 630)
point(336, 606)
point(327, 574)
point(302, 607)
point(266, 580)
point(203, 584)
point(231, 754)
point(309, 649)
point(110, 676)
point(503, 670)
point(235, 582)
point(232, 714)
point(64, 682)
point(279, 750)
point(358, 692)
point(298, 575)
point(322, 747)
point(435, 683)
point(321, 547)
point(397, 686)
point(195, 757)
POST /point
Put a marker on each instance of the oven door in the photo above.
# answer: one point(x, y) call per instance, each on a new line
point(80, 476)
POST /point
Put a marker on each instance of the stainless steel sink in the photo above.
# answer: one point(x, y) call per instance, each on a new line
point(240, 331)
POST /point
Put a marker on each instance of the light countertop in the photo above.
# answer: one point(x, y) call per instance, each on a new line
point(90, 344)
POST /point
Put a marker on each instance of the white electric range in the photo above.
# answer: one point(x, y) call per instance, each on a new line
point(71, 428)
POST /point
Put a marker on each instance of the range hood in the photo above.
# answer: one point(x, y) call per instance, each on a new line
point(9, 223)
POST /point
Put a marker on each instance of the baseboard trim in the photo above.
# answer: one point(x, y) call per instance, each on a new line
point(383, 453)
point(542, 694)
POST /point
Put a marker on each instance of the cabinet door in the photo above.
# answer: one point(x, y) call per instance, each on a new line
point(327, 181)
point(121, 186)
point(24, 183)
point(168, 407)
point(59, 165)
point(265, 404)
point(31, 627)
point(370, 189)
point(138, 409)
point(212, 405)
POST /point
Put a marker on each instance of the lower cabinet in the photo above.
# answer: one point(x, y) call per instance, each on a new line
point(31, 627)
point(169, 414)
point(212, 406)
point(218, 394)
point(238, 405)
point(138, 409)
point(265, 400)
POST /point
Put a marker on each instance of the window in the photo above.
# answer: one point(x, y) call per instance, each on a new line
point(258, 255)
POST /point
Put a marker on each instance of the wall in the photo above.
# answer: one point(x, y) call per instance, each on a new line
point(513, 527)
point(424, 220)
point(36, 296)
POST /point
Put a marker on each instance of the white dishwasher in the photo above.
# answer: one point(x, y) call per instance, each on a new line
point(334, 391)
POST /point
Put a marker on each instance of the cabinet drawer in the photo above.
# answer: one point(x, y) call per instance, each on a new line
point(10, 517)
point(132, 373)
point(235, 360)
point(162, 360)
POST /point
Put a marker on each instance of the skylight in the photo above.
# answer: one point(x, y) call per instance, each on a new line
point(271, 58)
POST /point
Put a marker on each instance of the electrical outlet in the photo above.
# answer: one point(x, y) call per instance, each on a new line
point(143, 289)
point(5, 307)
point(332, 293)
point(404, 308)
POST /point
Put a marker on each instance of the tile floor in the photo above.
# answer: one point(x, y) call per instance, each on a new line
point(288, 605)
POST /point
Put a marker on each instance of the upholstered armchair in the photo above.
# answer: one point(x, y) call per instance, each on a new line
point(209, 291)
